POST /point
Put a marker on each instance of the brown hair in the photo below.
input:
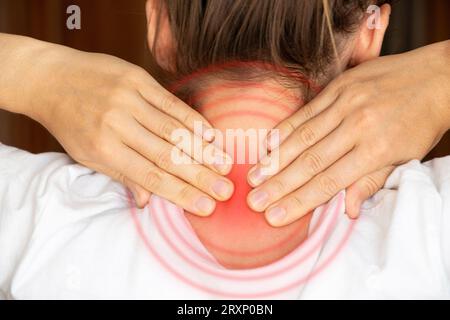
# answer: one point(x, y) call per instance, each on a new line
point(302, 35)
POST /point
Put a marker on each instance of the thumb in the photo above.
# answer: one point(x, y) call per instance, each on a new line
point(140, 195)
point(363, 189)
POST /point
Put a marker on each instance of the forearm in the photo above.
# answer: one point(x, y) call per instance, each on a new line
point(442, 70)
point(22, 68)
point(446, 49)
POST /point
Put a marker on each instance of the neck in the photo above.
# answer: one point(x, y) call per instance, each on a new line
point(238, 237)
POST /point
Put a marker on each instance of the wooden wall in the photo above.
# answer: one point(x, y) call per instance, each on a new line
point(118, 27)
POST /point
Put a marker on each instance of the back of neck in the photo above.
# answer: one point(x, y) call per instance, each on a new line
point(238, 237)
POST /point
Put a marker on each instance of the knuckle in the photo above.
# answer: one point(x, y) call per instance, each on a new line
point(278, 186)
point(132, 74)
point(367, 118)
point(370, 185)
point(189, 117)
point(152, 180)
point(185, 194)
point(376, 151)
point(101, 148)
point(201, 178)
point(328, 185)
point(138, 73)
point(289, 125)
point(109, 118)
point(308, 111)
point(121, 178)
point(168, 102)
point(103, 151)
point(383, 148)
point(313, 163)
point(353, 95)
point(339, 84)
point(305, 136)
point(339, 110)
point(167, 127)
point(367, 158)
point(118, 92)
point(343, 78)
point(296, 203)
point(163, 159)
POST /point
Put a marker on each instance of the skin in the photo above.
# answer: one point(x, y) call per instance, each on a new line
point(110, 116)
point(237, 236)
point(98, 130)
point(285, 199)
point(371, 119)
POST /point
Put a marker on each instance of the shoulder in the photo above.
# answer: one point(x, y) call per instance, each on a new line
point(22, 164)
point(51, 182)
point(435, 172)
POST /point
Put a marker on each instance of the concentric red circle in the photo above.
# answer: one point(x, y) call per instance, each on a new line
point(224, 275)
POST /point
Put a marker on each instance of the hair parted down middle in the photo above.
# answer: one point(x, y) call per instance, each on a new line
point(302, 35)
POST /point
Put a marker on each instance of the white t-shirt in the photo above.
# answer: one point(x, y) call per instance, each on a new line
point(69, 233)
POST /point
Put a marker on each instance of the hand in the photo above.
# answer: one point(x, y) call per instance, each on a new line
point(113, 117)
point(372, 118)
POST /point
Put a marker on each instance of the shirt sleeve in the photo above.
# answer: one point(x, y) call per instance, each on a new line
point(440, 169)
point(23, 195)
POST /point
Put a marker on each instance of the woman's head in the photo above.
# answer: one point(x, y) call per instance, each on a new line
point(315, 38)
point(286, 38)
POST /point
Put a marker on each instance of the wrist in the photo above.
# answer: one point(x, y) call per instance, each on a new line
point(44, 78)
point(446, 52)
point(442, 82)
point(20, 72)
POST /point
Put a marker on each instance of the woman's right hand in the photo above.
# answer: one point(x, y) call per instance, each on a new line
point(113, 117)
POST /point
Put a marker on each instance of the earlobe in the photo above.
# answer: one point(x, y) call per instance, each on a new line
point(369, 41)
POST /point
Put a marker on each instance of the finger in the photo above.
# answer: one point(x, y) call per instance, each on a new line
point(140, 195)
point(363, 189)
point(307, 135)
point(172, 160)
point(176, 108)
point(320, 189)
point(312, 162)
point(174, 132)
point(322, 101)
point(162, 183)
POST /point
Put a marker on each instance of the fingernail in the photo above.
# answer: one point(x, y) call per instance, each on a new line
point(258, 200)
point(256, 177)
point(276, 215)
point(208, 133)
point(357, 208)
point(273, 140)
point(137, 199)
point(222, 189)
point(222, 164)
point(205, 205)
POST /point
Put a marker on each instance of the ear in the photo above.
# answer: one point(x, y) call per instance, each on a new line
point(159, 35)
point(370, 37)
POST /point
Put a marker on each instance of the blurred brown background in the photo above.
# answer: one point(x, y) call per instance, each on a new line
point(118, 27)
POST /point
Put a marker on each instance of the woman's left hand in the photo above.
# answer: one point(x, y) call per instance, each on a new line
point(372, 118)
